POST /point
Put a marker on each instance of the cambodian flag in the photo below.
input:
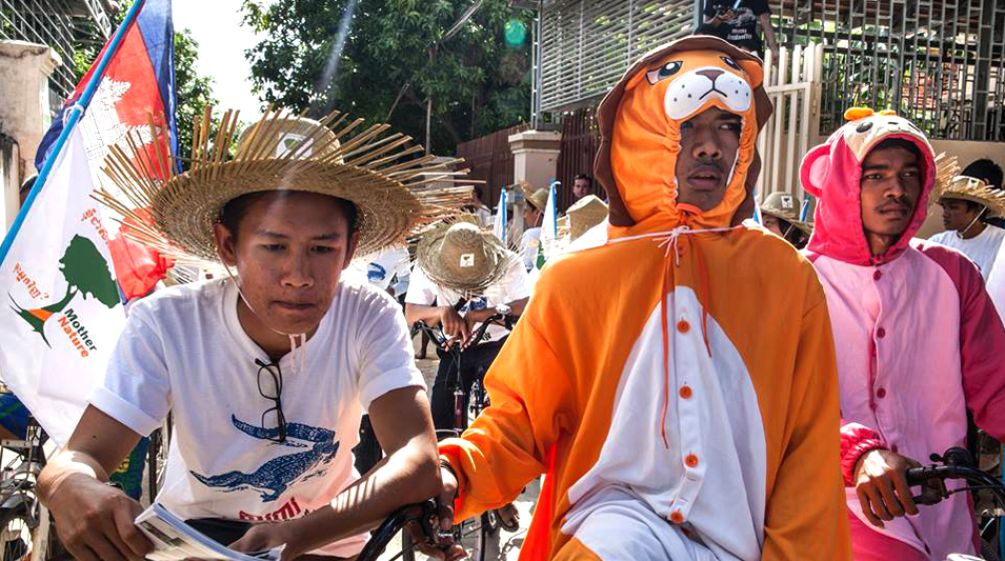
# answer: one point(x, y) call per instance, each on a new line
point(65, 270)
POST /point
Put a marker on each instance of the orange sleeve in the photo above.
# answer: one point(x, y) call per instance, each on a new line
point(507, 445)
point(806, 517)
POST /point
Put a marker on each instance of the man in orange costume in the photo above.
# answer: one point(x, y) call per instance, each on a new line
point(683, 401)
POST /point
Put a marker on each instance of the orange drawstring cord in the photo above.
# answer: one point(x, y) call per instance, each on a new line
point(671, 241)
point(666, 351)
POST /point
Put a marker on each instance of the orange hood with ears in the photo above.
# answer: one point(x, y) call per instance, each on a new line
point(640, 121)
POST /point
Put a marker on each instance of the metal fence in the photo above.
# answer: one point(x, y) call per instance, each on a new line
point(585, 46)
point(60, 24)
point(940, 63)
point(580, 140)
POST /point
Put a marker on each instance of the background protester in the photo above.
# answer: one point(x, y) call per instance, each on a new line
point(965, 202)
point(736, 21)
point(780, 215)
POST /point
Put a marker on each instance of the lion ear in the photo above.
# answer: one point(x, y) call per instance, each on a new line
point(814, 169)
point(755, 73)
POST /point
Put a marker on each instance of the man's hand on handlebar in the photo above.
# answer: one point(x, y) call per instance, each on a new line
point(454, 326)
point(882, 487)
point(446, 550)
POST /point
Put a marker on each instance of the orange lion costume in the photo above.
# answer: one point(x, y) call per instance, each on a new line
point(678, 384)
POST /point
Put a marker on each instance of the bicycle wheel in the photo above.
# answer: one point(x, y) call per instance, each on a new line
point(17, 528)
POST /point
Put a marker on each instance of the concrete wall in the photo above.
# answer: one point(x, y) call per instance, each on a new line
point(10, 181)
point(535, 156)
point(24, 111)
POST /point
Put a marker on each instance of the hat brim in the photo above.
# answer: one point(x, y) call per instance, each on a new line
point(188, 205)
point(428, 257)
point(378, 173)
point(995, 207)
point(804, 227)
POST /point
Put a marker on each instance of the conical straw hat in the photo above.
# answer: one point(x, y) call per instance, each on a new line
point(378, 172)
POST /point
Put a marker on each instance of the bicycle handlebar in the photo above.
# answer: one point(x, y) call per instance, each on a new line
point(956, 463)
point(441, 339)
point(423, 513)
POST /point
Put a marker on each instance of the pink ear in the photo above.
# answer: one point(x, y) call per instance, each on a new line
point(813, 170)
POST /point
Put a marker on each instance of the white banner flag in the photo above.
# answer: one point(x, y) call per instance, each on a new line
point(64, 311)
point(549, 226)
point(500, 225)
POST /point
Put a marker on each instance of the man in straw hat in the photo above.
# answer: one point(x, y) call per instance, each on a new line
point(265, 372)
point(462, 276)
point(535, 201)
point(966, 202)
point(670, 423)
point(918, 340)
point(780, 212)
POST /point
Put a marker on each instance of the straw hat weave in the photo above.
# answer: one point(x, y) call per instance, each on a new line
point(377, 172)
point(585, 214)
point(975, 190)
point(538, 198)
point(459, 255)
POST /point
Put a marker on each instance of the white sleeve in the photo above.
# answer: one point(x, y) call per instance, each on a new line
point(385, 349)
point(420, 289)
point(518, 285)
point(939, 238)
point(136, 390)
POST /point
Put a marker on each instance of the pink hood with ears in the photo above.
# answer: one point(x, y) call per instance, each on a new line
point(832, 173)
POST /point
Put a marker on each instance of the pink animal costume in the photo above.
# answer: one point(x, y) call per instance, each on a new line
point(918, 340)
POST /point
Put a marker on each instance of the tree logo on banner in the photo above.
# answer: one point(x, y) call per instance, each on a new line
point(86, 272)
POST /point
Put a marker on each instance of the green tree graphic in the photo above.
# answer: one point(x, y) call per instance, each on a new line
point(85, 269)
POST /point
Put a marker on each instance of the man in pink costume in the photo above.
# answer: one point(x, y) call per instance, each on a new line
point(917, 337)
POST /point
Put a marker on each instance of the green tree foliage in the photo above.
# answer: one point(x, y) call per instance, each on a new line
point(194, 91)
point(478, 80)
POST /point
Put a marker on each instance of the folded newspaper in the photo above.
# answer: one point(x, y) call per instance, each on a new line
point(174, 540)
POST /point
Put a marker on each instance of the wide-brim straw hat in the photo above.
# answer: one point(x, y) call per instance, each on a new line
point(977, 191)
point(379, 173)
point(538, 198)
point(787, 207)
point(585, 214)
point(459, 255)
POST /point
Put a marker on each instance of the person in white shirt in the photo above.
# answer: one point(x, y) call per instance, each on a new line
point(463, 276)
point(533, 213)
point(266, 372)
point(965, 203)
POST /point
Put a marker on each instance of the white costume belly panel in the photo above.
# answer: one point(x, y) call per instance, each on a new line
point(710, 472)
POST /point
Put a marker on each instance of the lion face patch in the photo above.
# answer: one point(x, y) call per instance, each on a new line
point(688, 84)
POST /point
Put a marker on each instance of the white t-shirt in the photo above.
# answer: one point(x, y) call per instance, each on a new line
point(981, 249)
point(183, 350)
point(514, 285)
point(530, 243)
point(380, 269)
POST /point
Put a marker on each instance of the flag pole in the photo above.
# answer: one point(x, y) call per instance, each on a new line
point(76, 112)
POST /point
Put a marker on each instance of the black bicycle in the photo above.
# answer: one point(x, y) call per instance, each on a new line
point(958, 463)
point(483, 529)
point(22, 531)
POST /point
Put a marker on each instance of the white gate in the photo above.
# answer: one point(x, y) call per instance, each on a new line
point(794, 88)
